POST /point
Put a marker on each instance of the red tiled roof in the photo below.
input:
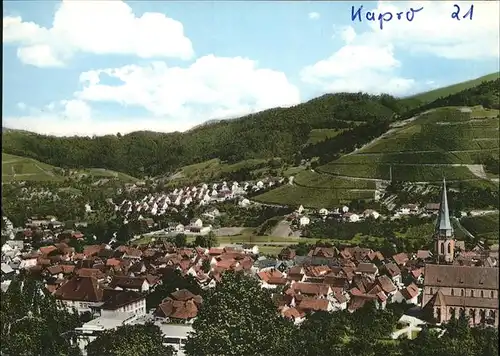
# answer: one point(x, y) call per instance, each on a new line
point(48, 249)
point(292, 313)
point(311, 288)
point(266, 275)
point(80, 289)
point(177, 309)
point(314, 304)
point(113, 262)
point(400, 258)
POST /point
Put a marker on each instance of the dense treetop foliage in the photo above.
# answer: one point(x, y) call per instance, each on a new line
point(486, 94)
point(238, 318)
point(32, 323)
point(130, 340)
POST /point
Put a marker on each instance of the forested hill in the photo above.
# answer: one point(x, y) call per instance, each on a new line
point(279, 132)
point(486, 94)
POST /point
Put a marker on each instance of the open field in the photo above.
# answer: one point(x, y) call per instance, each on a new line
point(246, 238)
point(22, 168)
point(17, 168)
point(105, 173)
point(432, 95)
point(483, 226)
point(214, 168)
point(318, 135)
point(294, 195)
point(311, 179)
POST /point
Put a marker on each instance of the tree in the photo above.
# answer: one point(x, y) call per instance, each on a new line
point(205, 265)
point(172, 280)
point(130, 340)
point(323, 333)
point(180, 240)
point(124, 233)
point(208, 241)
point(33, 324)
point(238, 318)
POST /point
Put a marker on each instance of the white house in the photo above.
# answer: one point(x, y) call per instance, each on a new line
point(244, 203)
point(88, 332)
point(123, 302)
point(351, 217)
point(408, 295)
point(323, 211)
point(370, 213)
point(198, 223)
point(339, 301)
point(304, 220)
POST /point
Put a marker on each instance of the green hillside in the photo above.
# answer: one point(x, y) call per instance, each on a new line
point(17, 168)
point(435, 94)
point(278, 132)
point(483, 226)
point(325, 130)
point(455, 143)
point(22, 168)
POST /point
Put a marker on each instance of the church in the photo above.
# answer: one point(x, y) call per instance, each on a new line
point(451, 290)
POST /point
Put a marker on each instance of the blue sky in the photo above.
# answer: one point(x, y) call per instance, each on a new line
point(69, 71)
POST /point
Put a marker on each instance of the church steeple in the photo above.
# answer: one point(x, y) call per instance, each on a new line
point(443, 224)
point(445, 240)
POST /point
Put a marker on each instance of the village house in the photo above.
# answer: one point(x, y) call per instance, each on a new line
point(370, 213)
point(408, 295)
point(304, 221)
point(181, 306)
point(139, 284)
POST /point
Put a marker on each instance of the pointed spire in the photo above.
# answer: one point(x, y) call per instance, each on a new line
point(443, 224)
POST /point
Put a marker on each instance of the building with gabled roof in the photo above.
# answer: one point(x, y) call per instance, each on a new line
point(451, 290)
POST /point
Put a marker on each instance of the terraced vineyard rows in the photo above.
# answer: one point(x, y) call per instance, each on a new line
point(311, 196)
point(446, 142)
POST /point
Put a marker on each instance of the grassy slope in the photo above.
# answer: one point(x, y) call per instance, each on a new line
point(432, 95)
point(213, 169)
point(317, 135)
point(22, 168)
point(447, 132)
point(426, 149)
point(17, 168)
point(484, 226)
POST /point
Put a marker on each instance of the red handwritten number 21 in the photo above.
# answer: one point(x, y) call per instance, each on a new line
point(456, 14)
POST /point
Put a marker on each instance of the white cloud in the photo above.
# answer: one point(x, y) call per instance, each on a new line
point(59, 125)
point(99, 27)
point(347, 33)
point(21, 106)
point(356, 68)
point(76, 117)
point(434, 32)
point(314, 15)
point(210, 88)
point(366, 62)
point(176, 98)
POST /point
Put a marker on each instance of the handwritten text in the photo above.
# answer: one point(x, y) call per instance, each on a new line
point(456, 14)
point(382, 17)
